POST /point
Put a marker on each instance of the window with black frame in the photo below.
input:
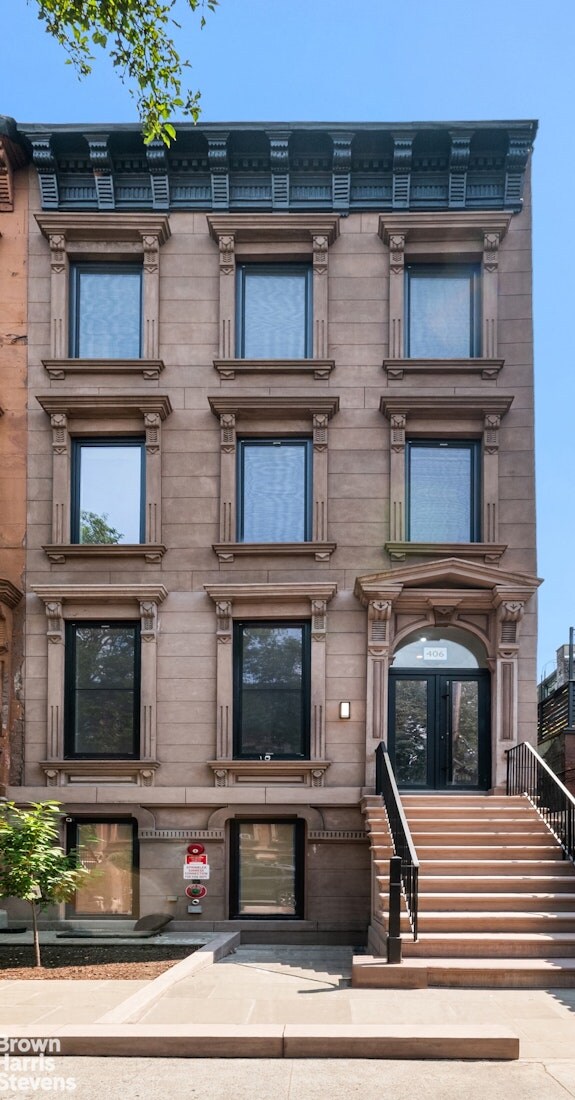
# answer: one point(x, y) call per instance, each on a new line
point(274, 490)
point(267, 861)
point(271, 689)
point(102, 690)
point(443, 319)
point(274, 311)
point(443, 490)
point(108, 849)
point(108, 491)
point(106, 311)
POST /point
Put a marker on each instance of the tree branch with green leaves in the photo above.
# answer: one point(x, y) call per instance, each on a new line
point(138, 36)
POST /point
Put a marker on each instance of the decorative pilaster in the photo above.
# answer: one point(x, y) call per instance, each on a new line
point(509, 616)
point(397, 428)
point(489, 290)
point(59, 280)
point(227, 246)
point(491, 424)
point(56, 655)
point(318, 665)
point(60, 478)
point(228, 477)
point(148, 658)
point(225, 676)
point(320, 244)
point(396, 294)
point(320, 428)
point(151, 295)
point(378, 645)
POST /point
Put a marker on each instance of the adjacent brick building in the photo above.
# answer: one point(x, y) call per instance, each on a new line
point(281, 502)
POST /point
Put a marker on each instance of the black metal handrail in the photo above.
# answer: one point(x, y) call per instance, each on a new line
point(527, 773)
point(386, 786)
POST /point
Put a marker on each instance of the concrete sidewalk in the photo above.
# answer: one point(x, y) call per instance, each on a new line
point(277, 991)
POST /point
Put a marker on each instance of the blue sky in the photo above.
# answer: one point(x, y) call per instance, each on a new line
point(373, 60)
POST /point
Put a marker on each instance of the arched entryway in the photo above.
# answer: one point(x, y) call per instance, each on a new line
point(439, 723)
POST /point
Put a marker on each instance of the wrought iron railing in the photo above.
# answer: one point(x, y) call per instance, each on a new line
point(527, 773)
point(386, 786)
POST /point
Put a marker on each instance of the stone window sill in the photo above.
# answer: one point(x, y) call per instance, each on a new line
point(491, 552)
point(134, 773)
point(291, 773)
point(149, 369)
point(227, 551)
point(150, 552)
point(487, 368)
point(229, 368)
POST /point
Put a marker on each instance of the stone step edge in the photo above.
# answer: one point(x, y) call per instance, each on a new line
point(389, 1041)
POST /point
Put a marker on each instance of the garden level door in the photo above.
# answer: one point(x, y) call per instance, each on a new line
point(439, 731)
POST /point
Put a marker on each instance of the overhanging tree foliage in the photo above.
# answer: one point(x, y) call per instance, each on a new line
point(33, 865)
point(138, 37)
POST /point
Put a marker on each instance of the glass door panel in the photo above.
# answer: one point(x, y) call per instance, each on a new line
point(411, 727)
point(462, 734)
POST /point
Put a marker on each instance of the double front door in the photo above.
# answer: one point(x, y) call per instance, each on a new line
point(439, 729)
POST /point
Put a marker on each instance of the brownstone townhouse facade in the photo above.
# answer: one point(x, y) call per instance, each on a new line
point(280, 501)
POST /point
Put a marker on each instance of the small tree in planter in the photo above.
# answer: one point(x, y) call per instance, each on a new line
point(33, 864)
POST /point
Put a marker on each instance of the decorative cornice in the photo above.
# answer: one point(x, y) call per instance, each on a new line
point(100, 593)
point(449, 407)
point(297, 167)
point(259, 772)
point(10, 596)
point(77, 226)
point(104, 406)
point(266, 228)
point(277, 591)
point(254, 407)
point(478, 583)
point(437, 225)
point(491, 552)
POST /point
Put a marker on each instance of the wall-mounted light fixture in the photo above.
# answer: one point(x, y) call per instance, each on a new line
point(345, 710)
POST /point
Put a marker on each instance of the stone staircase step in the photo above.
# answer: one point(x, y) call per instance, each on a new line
point(498, 868)
point(484, 851)
point(474, 902)
point(512, 884)
point(491, 945)
point(511, 973)
point(539, 920)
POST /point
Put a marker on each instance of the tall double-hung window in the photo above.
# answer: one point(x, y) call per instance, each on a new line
point(443, 492)
point(106, 311)
point(443, 308)
point(102, 690)
point(272, 664)
point(274, 490)
point(108, 490)
point(274, 311)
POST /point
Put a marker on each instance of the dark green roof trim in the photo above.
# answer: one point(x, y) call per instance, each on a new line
point(285, 166)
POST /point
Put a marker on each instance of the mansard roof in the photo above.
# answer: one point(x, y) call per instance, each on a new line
point(269, 166)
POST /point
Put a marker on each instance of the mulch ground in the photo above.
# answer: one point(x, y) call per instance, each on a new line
point(93, 962)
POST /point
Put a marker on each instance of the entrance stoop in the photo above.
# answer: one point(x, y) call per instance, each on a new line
point(496, 897)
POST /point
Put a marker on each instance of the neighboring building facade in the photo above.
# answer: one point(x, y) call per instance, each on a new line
point(556, 716)
point(281, 500)
point(13, 441)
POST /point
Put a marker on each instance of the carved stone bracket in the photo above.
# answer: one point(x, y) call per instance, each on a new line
point(224, 621)
point(398, 423)
point(55, 616)
point(491, 251)
point(149, 619)
point(318, 620)
point(152, 424)
point(491, 425)
point(151, 247)
point(379, 614)
point(227, 247)
point(320, 423)
point(458, 167)
point(228, 433)
point(320, 254)
point(57, 242)
point(397, 253)
point(6, 178)
point(60, 437)
point(509, 614)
